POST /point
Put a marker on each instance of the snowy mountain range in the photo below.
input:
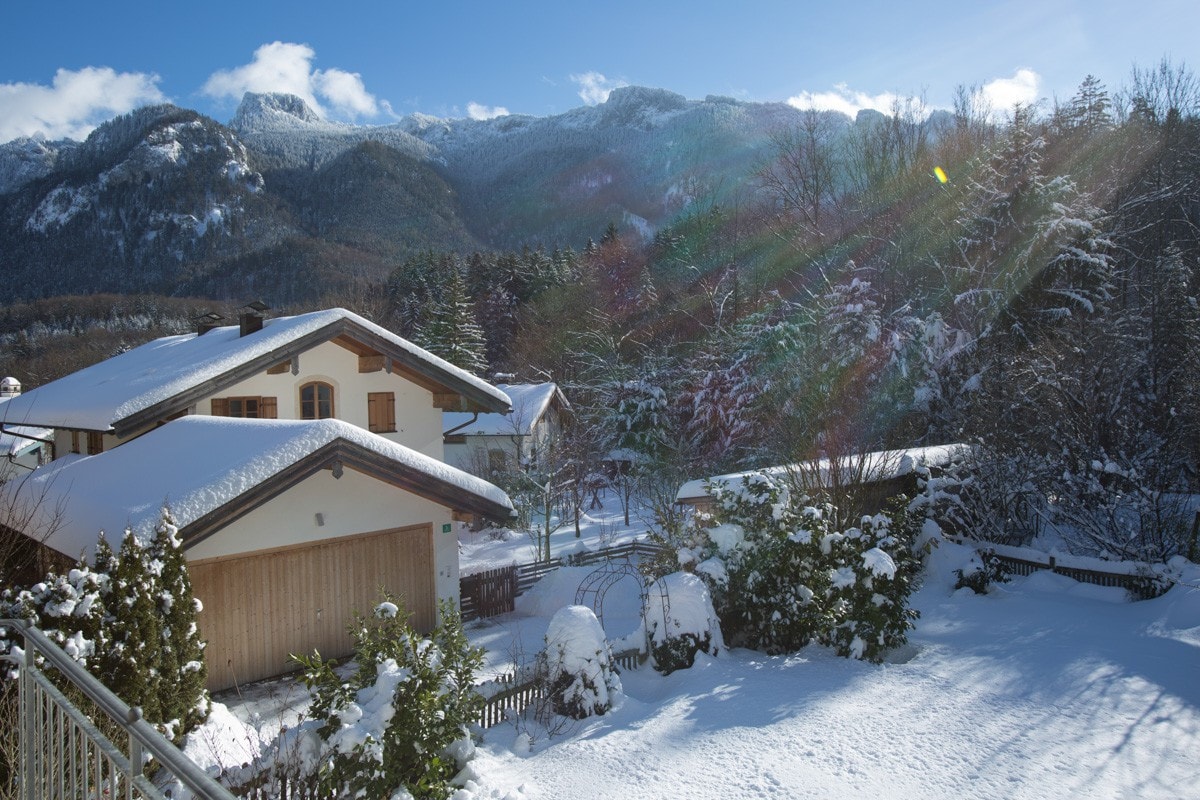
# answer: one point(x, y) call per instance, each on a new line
point(281, 201)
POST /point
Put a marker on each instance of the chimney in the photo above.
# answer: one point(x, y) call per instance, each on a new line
point(206, 322)
point(251, 317)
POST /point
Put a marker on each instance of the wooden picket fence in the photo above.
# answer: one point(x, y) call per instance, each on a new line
point(1140, 586)
point(513, 693)
point(486, 594)
point(491, 592)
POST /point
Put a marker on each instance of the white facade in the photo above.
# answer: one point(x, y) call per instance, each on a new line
point(323, 507)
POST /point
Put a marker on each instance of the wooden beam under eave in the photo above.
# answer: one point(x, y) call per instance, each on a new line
point(452, 401)
point(371, 363)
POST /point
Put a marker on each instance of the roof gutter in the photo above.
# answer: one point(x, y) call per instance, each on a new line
point(4, 429)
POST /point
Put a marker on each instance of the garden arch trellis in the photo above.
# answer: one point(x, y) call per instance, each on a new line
point(594, 587)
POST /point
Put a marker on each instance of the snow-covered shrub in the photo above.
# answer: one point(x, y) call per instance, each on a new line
point(791, 578)
point(577, 666)
point(870, 593)
point(399, 724)
point(983, 570)
point(680, 621)
point(130, 619)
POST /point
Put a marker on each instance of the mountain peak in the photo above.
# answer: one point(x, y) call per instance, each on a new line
point(256, 108)
point(646, 98)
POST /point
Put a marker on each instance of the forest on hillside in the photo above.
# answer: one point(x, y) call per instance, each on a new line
point(1024, 281)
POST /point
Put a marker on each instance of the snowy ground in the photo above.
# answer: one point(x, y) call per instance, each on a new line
point(600, 527)
point(1044, 688)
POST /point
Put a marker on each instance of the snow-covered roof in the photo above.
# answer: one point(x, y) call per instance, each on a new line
point(864, 467)
point(198, 464)
point(529, 403)
point(16, 439)
point(101, 396)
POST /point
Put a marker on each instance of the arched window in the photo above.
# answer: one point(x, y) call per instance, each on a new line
point(316, 400)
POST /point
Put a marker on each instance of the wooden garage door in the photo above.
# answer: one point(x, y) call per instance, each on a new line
point(261, 607)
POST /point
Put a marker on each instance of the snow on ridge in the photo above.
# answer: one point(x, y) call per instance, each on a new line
point(877, 466)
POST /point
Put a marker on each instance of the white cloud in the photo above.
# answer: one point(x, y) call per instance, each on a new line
point(845, 100)
point(1004, 93)
point(75, 104)
point(287, 68)
point(477, 111)
point(594, 88)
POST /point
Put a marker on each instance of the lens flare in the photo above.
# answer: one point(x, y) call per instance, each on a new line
point(940, 174)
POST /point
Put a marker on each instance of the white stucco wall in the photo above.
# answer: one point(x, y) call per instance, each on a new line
point(352, 504)
point(472, 456)
point(418, 422)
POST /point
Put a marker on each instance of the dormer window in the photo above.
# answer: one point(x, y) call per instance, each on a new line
point(316, 400)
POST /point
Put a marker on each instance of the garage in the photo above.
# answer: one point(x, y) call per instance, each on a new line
point(261, 607)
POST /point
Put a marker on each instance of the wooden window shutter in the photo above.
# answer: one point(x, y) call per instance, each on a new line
point(220, 407)
point(381, 412)
point(268, 408)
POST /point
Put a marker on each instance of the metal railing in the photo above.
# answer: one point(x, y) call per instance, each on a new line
point(63, 752)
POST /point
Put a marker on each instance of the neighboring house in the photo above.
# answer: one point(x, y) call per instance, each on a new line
point(489, 442)
point(301, 458)
point(22, 448)
point(870, 478)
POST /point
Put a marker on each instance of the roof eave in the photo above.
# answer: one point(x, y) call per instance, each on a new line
point(346, 454)
point(182, 400)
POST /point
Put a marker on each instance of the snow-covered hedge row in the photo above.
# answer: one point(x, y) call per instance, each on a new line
point(783, 577)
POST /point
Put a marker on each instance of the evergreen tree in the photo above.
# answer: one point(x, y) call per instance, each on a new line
point(184, 698)
point(131, 665)
point(1089, 110)
point(450, 330)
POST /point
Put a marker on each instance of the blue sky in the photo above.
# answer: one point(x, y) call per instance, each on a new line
point(64, 67)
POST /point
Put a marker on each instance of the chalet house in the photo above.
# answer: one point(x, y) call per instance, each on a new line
point(485, 443)
point(301, 458)
point(866, 480)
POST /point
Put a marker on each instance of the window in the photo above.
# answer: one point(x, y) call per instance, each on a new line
point(316, 400)
point(246, 407)
point(95, 442)
point(381, 412)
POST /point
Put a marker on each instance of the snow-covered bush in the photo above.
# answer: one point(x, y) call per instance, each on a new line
point(791, 578)
point(870, 592)
point(680, 621)
point(983, 570)
point(130, 619)
point(399, 724)
point(577, 666)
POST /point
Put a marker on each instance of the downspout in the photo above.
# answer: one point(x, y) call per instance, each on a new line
point(474, 418)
